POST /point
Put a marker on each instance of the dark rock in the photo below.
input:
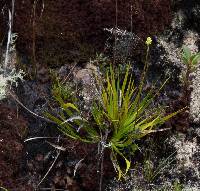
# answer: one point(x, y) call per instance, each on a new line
point(12, 129)
point(65, 30)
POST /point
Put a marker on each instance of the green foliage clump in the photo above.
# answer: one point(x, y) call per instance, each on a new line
point(121, 117)
point(190, 60)
point(61, 90)
point(151, 172)
point(177, 186)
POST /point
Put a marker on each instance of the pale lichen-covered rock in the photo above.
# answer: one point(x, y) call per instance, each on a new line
point(173, 49)
point(87, 78)
point(195, 98)
point(191, 40)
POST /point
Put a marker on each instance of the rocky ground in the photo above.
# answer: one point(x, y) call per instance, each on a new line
point(183, 31)
point(26, 169)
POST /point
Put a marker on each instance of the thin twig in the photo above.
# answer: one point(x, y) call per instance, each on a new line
point(69, 73)
point(34, 36)
point(10, 14)
point(35, 138)
point(131, 18)
point(77, 165)
point(58, 153)
point(42, 10)
point(50, 189)
point(102, 165)
point(20, 103)
point(58, 147)
point(160, 130)
point(101, 157)
point(116, 25)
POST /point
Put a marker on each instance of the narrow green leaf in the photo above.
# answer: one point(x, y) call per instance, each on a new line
point(187, 53)
point(128, 163)
point(69, 105)
point(196, 59)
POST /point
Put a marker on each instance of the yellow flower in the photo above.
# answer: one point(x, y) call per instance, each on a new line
point(148, 41)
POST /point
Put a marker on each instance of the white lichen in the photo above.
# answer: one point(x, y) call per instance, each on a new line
point(8, 74)
point(195, 98)
point(185, 151)
point(190, 40)
point(7, 81)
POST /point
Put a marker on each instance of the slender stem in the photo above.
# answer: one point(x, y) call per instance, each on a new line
point(116, 13)
point(50, 189)
point(101, 158)
point(9, 39)
point(35, 138)
point(131, 19)
point(12, 13)
point(144, 70)
point(142, 83)
point(116, 25)
point(20, 103)
point(187, 83)
point(101, 175)
point(58, 153)
point(65, 79)
point(34, 37)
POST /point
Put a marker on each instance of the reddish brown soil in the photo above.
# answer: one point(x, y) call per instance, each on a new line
point(62, 174)
point(66, 27)
point(12, 128)
point(86, 18)
point(87, 173)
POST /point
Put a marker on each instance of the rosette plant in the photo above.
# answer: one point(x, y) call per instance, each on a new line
point(191, 60)
point(121, 116)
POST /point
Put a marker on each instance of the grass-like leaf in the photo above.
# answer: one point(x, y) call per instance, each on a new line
point(121, 116)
